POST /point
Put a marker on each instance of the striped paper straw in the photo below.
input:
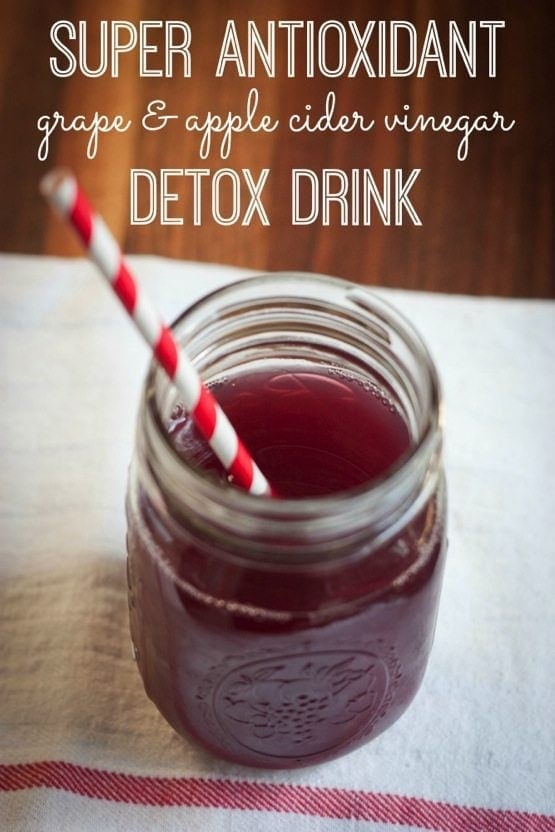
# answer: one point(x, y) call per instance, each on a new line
point(63, 192)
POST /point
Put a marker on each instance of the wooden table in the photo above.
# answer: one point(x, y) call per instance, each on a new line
point(486, 221)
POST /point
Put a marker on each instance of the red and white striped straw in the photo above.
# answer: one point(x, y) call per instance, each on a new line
point(61, 189)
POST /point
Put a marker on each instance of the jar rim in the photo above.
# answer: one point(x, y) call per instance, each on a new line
point(320, 508)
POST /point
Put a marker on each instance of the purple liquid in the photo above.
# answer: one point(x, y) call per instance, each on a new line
point(288, 666)
point(310, 434)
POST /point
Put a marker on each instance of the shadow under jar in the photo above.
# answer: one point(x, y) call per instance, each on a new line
point(285, 632)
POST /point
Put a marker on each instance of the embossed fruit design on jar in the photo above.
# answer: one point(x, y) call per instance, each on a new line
point(289, 703)
point(285, 632)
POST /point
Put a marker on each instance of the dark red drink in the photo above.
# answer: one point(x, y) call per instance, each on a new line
point(312, 433)
point(283, 648)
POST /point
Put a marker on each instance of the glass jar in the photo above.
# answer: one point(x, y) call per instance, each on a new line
point(285, 632)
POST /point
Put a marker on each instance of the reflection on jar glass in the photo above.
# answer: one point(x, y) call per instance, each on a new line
point(285, 632)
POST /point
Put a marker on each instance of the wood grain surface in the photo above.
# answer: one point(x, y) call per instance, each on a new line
point(486, 221)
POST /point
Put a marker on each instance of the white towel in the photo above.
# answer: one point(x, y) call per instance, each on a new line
point(81, 746)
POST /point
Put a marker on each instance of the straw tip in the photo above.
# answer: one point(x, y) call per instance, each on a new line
point(53, 180)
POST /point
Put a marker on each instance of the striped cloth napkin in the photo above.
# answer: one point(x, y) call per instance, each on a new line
point(82, 748)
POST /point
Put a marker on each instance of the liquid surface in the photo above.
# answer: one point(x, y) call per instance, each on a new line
point(311, 433)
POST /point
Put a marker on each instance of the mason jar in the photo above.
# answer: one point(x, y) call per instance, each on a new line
point(281, 632)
